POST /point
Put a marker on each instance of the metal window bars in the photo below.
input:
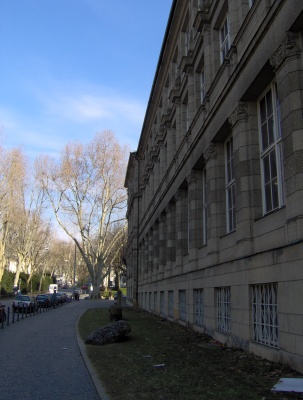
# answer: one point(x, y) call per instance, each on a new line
point(182, 305)
point(223, 310)
point(199, 306)
point(265, 315)
point(170, 303)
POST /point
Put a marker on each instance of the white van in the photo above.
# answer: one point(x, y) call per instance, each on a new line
point(53, 287)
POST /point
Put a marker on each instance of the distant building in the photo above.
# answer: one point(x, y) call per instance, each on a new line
point(215, 206)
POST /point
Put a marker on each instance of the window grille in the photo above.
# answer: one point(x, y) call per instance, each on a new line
point(230, 187)
point(199, 307)
point(223, 309)
point(170, 303)
point(150, 303)
point(162, 311)
point(182, 305)
point(265, 315)
point(271, 151)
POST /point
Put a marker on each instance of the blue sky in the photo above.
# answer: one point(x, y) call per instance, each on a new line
point(71, 68)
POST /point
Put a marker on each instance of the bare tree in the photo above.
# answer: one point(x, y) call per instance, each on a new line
point(30, 231)
point(86, 191)
point(12, 175)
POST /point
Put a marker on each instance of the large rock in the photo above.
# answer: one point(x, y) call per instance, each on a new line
point(108, 334)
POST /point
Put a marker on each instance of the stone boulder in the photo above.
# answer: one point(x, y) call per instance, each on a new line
point(108, 334)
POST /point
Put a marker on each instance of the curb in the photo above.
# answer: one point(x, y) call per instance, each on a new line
point(96, 381)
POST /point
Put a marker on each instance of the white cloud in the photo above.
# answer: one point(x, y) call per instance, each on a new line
point(83, 107)
point(59, 113)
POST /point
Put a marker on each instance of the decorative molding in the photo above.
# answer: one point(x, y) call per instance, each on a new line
point(204, 5)
point(170, 207)
point(240, 113)
point(191, 177)
point(162, 217)
point(210, 152)
point(287, 48)
point(180, 194)
point(231, 57)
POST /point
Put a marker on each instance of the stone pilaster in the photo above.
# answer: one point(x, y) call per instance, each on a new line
point(162, 245)
point(287, 62)
point(182, 227)
point(243, 172)
point(214, 157)
point(150, 254)
point(171, 239)
point(155, 250)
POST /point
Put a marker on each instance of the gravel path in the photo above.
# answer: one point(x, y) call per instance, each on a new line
point(40, 357)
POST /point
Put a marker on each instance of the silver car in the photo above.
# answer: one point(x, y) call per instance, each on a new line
point(24, 302)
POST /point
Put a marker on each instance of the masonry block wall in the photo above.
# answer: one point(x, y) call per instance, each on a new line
point(215, 207)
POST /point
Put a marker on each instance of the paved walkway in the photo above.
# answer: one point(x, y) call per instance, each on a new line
point(40, 358)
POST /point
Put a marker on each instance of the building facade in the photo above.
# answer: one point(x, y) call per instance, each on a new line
point(215, 205)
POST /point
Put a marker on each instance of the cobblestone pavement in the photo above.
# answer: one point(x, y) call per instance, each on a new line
point(40, 357)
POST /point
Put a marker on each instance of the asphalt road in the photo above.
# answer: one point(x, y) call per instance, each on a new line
point(40, 358)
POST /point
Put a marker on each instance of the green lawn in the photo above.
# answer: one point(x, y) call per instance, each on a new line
point(165, 361)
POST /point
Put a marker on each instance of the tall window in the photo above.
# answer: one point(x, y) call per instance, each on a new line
point(155, 301)
point(223, 309)
point(271, 151)
point(204, 206)
point(199, 307)
point(162, 311)
point(265, 314)
point(224, 39)
point(202, 85)
point(230, 186)
point(170, 303)
point(182, 305)
point(150, 304)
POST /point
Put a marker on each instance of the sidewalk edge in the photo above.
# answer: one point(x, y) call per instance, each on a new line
point(98, 384)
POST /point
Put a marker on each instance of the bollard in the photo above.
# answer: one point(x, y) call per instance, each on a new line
point(7, 317)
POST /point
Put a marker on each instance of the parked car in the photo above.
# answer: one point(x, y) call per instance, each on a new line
point(43, 300)
point(60, 298)
point(24, 302)
point(50, 297)
point(63, 296)
point(2, 313)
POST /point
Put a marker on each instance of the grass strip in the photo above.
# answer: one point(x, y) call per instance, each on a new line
point(163, 360)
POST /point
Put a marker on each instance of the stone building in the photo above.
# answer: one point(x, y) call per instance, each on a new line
point(215, 207)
